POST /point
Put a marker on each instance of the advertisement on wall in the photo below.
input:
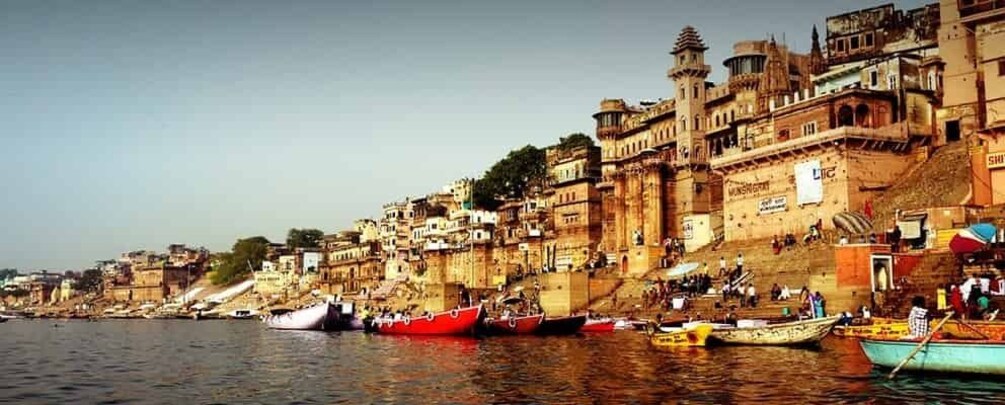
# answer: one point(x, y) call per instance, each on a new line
point(809, 183)
point(771, 205)
point(688, 228)
point(311, 261)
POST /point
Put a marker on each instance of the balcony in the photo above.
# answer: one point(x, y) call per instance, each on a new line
point(973, 10)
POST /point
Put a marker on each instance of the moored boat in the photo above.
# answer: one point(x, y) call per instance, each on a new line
point(893, 330)
point(324, 316)
point(598, 325)
point(976, 330)
point(695, 335)
point(565, 325)
point(454, 322)
point(514, 325)
point(805, 332)
point(944, 356)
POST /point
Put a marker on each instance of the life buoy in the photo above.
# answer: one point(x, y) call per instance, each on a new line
point(429, 317)
point(512, 323)
point(407, 320)
point(454, 313)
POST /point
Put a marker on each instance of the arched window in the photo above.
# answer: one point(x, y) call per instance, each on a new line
point(683, 124)
point(862, 116)
point(731, 115)
point(697, 122)
point(683, 93)
point(717, 120)
point(846, 117)
point(696, 91)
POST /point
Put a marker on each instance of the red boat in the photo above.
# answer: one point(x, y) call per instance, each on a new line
point(454, 322)
point(514, 325)
point(598, 325)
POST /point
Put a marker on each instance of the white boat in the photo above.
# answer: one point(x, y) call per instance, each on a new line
point(804, 332)
point(323, 316)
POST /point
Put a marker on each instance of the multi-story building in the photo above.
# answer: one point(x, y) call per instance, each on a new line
point(351, 263)
point(575, 204)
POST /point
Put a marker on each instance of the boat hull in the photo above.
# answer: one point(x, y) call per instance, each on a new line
point(598, 325)
point(686, 337)
point(943, 356)
point(955, 329)
point(456, 322)
point(567, 325)
point(876, 331)
point(518, 325)
point(806, 332)
point(319, 317)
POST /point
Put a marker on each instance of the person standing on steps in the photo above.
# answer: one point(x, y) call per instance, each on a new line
point(739, 263)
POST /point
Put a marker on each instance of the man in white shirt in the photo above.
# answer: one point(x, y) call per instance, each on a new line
point(739, 263)
point(751, 295)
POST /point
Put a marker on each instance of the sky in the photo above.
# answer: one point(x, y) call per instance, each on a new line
point(128, 125)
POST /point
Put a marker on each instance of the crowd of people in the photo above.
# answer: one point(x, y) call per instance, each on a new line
point(972, 298)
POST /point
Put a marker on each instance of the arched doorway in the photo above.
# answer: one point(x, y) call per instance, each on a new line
point(846, 117)
point(624, 265)
point(862, 116)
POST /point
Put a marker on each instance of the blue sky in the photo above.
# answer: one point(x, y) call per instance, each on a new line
point(132, 125)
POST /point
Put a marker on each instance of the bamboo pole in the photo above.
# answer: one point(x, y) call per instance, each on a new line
point(920, 345)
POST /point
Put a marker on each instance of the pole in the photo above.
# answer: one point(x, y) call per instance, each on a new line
point(920, 345)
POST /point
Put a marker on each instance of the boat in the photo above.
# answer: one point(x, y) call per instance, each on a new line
point(598, 325)
point(942, 355)
point(454, 322)
point(892, 330)
point(804, 332)
point(565, 325)
point(242, 314)
point(324, 316)
point(681, 337)
point(976, 330)
point(514, 325)
point(2, 320)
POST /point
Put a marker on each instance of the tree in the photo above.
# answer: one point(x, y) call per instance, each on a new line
point(574, 141)
point(90, 281)
point(8, 273)
point(304, 238)
point(510, 177)
point(246, 255)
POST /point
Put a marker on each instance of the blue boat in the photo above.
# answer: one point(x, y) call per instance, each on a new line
point(944, 356)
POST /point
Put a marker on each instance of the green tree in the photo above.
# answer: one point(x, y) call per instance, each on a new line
point(246, 255)
point(90, 281)
point(574, 141)
point(304, 238)
point(510, 177)
point(8, 273)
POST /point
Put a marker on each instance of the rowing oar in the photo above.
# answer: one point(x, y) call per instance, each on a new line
point(920, 345)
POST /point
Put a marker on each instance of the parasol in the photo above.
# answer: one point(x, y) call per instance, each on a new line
point(966, 241)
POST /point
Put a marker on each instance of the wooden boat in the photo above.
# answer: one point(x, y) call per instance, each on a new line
point(943, 355)
point(242, 314)
point(323, 316)
point(956, 329)
point(566, 325)
point(514, 325)
point(805, 332)
point(598, 325)
point(454, 322)
point(891, 330)
point(680, 337)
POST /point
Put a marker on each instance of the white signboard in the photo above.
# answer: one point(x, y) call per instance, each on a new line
point(688, 229)
point(311, 261)
point(771, 205)
point(809, 183)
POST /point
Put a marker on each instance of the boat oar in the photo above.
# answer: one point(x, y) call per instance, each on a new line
point(972, 328)
point(920, 345)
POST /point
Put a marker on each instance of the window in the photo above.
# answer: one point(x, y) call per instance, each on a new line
point(931, 78)
point(696, 91)
point(891, 82)
point(1001, 67)
point(683, 93)
point(853, 43)
point(840, 45)
point(873, 78)
point(697, 122)
point(809, 128)
point(868, 40)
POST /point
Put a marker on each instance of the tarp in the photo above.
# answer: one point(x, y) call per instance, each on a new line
point(966, 242)
point(985, 231)
point(809, 183)
point(682, 270)
point(852, 223)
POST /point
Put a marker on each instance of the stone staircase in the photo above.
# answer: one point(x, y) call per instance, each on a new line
point(934, 270)
point(943, 180)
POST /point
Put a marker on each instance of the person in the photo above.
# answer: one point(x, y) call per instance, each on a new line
point(776, 291)
point(917, 320)
point(819, 305)
point(866, 313)
point(843, 241)
point(722, 265)
point(776, 246)
point(742, 294)
point(739, 263)
point(751, 295)
point(845, 319)
point(967, 289)
point(806, 291)
point(940, 300)
point(983, 302)
point(785, 294)
point(872, 238)
point(725, 291)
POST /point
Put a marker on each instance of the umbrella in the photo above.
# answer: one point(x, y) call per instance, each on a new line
point(985, 231)
point(966, 241)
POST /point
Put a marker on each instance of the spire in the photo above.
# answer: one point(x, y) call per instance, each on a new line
point(817, 65)
point(689, 39)
point(775, 78)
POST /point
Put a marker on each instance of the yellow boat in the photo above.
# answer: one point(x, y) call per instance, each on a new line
point(878, 331)
point(680, 338)
point(955, 329)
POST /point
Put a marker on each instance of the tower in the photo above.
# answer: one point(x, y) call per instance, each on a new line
point(688, 74)
point(775, 79)
point(817, 65)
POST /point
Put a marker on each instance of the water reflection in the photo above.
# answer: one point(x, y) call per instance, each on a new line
point(228, 362)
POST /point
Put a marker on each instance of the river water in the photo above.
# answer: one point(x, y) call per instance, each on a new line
point(187, 362)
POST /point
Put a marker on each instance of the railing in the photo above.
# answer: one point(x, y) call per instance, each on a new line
point(971, 7)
